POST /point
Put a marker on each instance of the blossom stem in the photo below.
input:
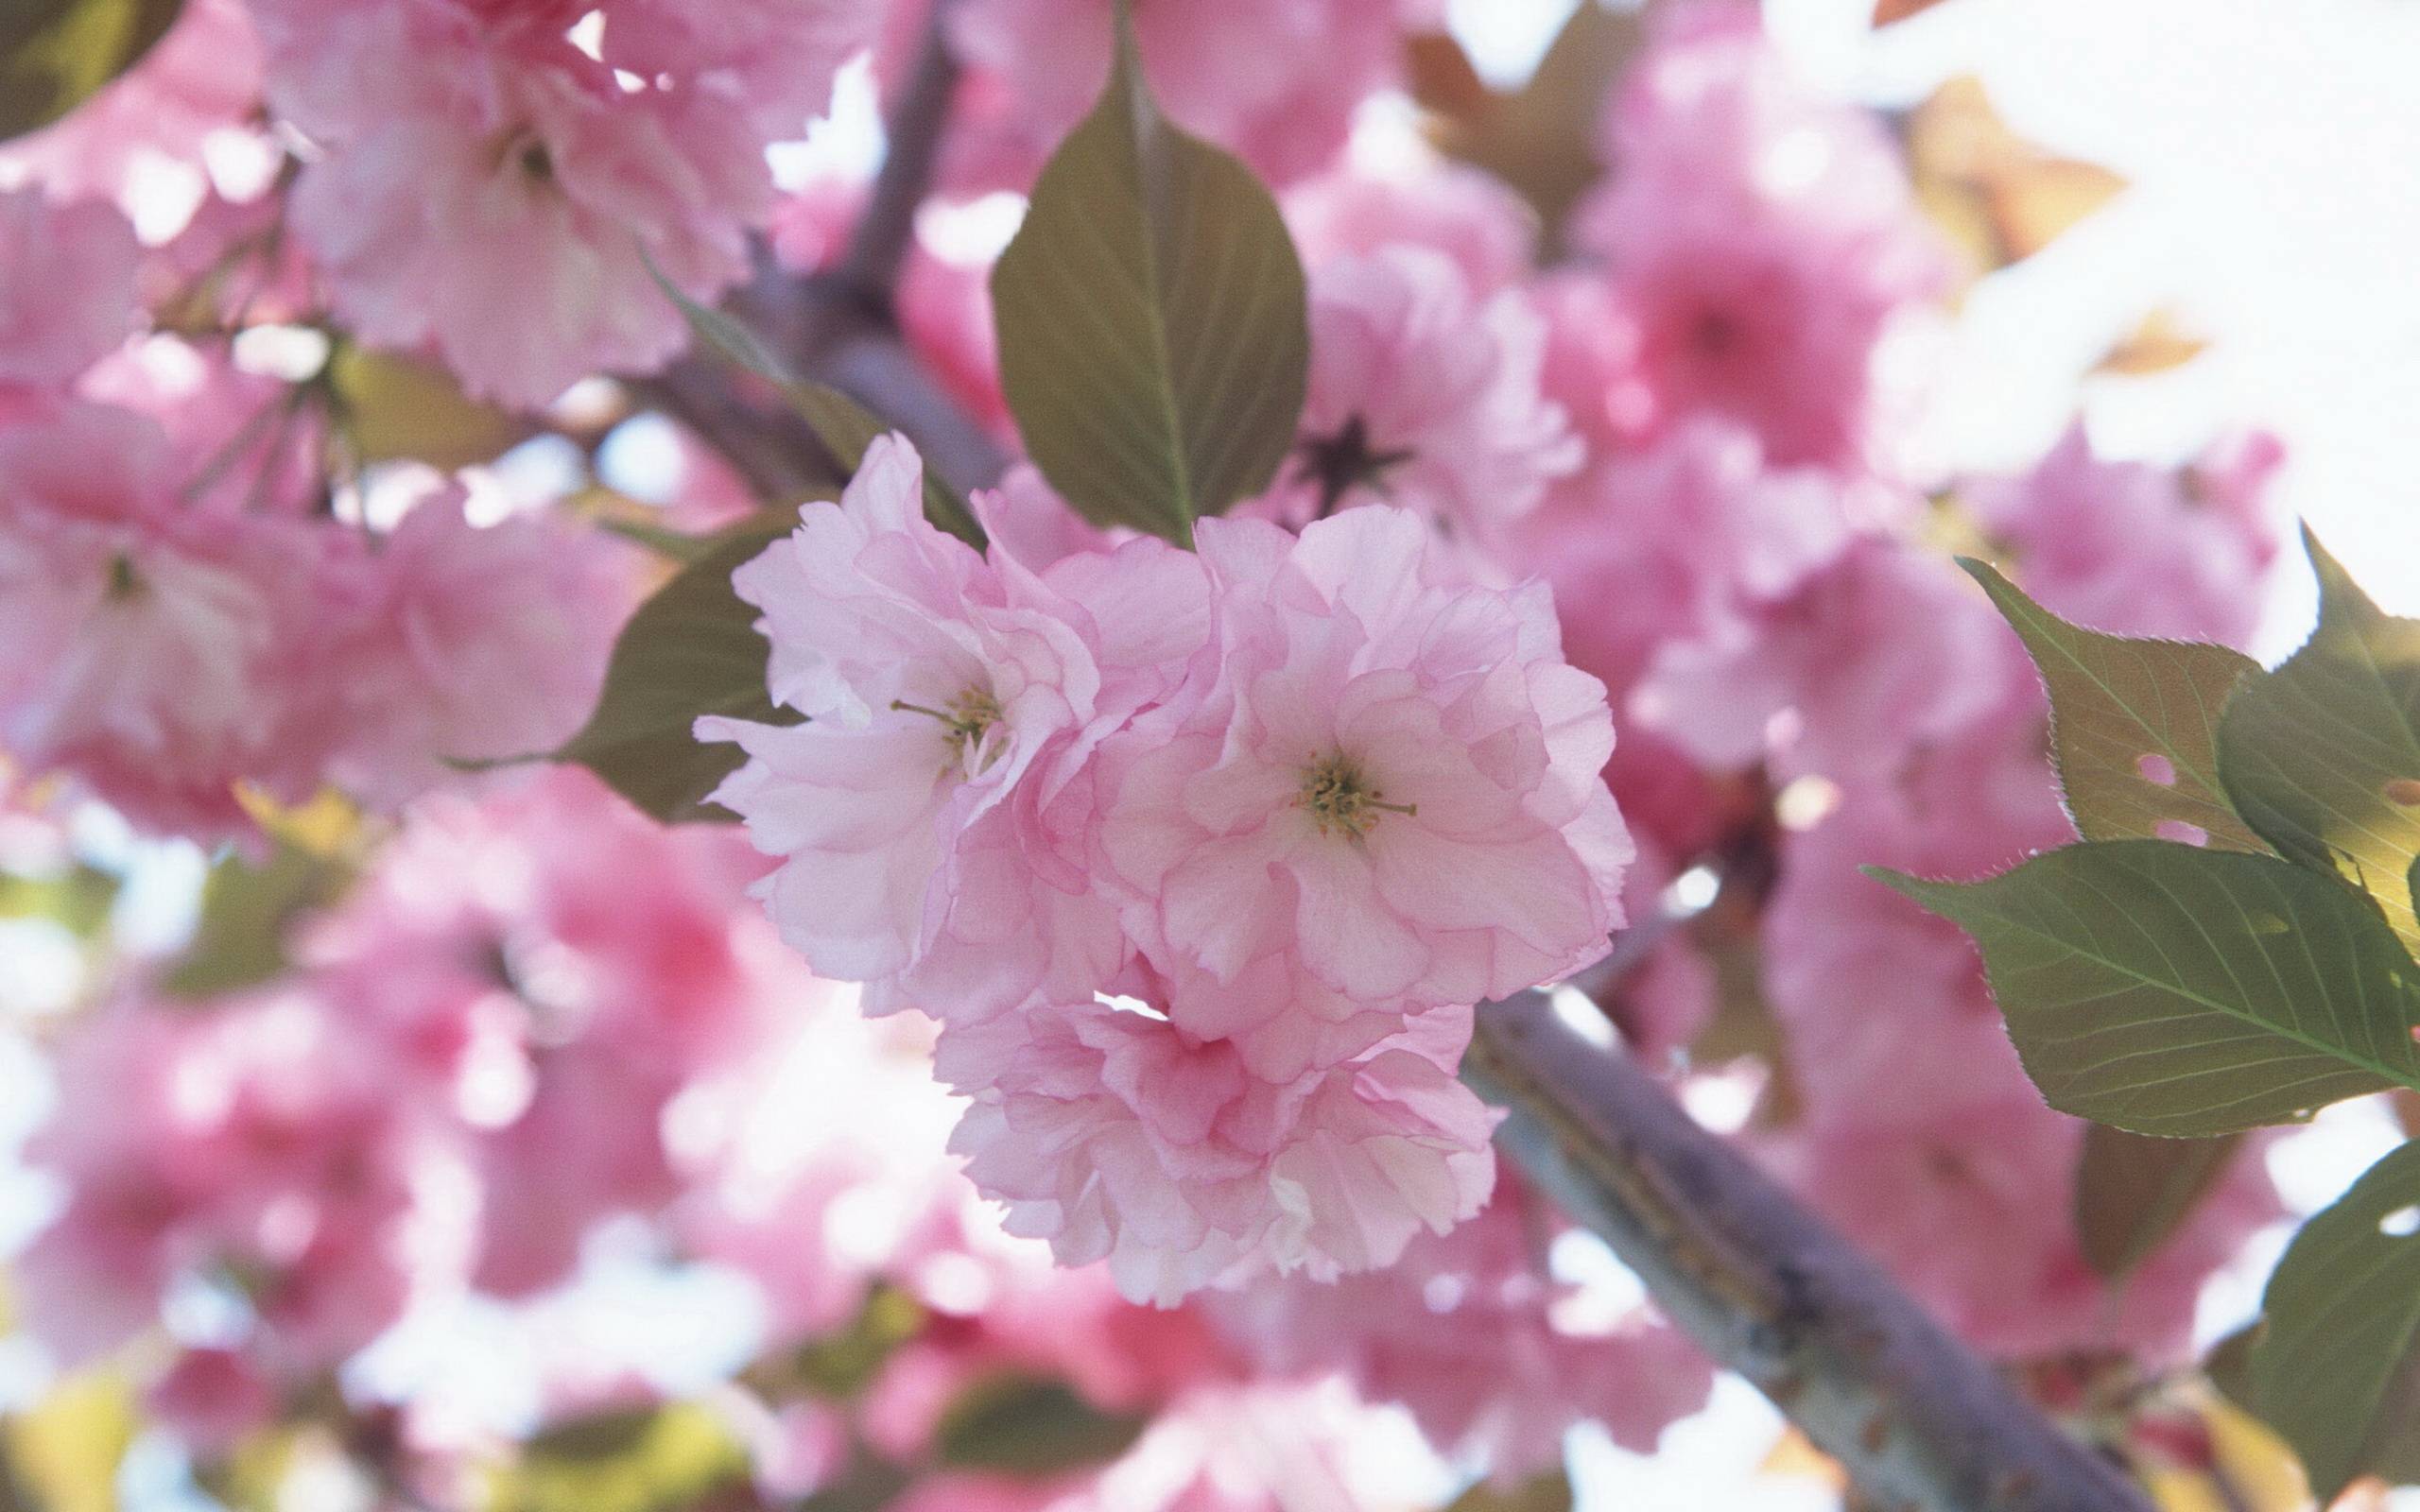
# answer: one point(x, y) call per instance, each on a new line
point(1917, 1419)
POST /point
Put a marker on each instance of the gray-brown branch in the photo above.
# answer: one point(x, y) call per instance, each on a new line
point(1918, 1421)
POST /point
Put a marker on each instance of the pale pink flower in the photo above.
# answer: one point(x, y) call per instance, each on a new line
point(470, 642)
point(1424, 395)
point(1830, 680)
point(69, 296)
point(501, 199)
point(146, 647)
point(1395, 785)
point(1117, 1135)
point(1688, 540)
point(1761, 240)
point(938, 685)
point(2133, 548)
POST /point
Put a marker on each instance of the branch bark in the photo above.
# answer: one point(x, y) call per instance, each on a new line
point(841, 327)
point(1917, 1420)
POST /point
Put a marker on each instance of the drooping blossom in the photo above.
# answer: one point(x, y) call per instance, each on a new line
point(1393, 784)
point(1118, 1135)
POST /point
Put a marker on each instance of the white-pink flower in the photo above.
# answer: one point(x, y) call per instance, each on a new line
point(936, 685)
point(469, 643)
point(498, 194)
point(69, 296)
point(1394, 783)
point(1117, 1135)
point(148, 649)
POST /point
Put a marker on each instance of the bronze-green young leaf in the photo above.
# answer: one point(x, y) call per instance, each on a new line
point(1155, 339)
point(2134, 723)
point(1016, 1424)
point(845, 427)
point(691, 649)
point(2323, 756)
point(2173, 990)
point(2134, 1190)
point(54, 54)
point(2336, 1368)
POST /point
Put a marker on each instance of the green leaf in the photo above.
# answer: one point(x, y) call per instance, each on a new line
point(2134, 723)
point(1551, 1492)
point(77, 898)
point(245, 911)
point(652, 1459)
point(1014, 1424)
point(391, 407)
point(2336, 1368)
point(1155, 339)
point(2173, 990)
point(845, 427)
point(2132, 1192)
point(691, 649)
point(2323, 756)
point(55, 54)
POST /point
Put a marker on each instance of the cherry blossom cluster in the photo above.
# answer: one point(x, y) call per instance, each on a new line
point(1200, 858)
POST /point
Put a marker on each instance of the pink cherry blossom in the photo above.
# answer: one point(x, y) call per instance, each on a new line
point(150, 646)
point(502, 197)
point(70, 293)
point(1424, 395)
point(938, 687)
point(1472, 217)
point(471, 642)
point(1393, 783)
point(2136, 549)
point(1788, 684)
point(1761, 243)
point(1117, 1135)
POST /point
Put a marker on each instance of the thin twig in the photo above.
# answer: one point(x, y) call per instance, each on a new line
point(1917, 1420)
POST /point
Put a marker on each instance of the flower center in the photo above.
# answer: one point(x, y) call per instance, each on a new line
point(967, 719)
point(1341, 797)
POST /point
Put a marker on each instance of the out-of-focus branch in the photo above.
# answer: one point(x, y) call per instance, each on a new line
point(1918, 1421)
point(841, 327)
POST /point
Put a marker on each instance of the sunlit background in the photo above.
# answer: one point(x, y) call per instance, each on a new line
point(2273, 207)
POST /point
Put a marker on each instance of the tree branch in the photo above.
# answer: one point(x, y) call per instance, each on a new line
point(1917, 1420)
point(841, 327)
